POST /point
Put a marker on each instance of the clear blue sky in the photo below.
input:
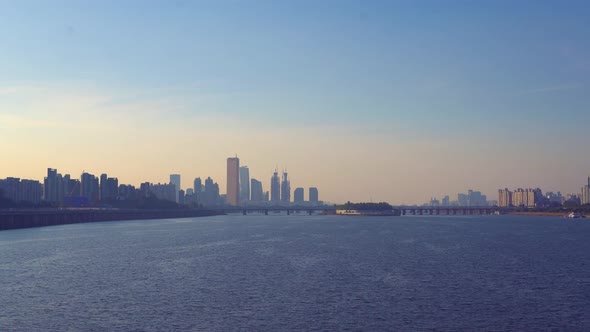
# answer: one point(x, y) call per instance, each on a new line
point(468, 91)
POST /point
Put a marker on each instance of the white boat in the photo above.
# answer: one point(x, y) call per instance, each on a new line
point(574, 215)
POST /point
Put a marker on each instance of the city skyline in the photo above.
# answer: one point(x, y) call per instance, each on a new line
point(388, 101)
point(92, 190)
point(173, 178)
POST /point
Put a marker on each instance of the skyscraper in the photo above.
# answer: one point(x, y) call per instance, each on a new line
point(256, 191)
point(313, 195)
point(585, 197)
point(298, 195)
point(275, 188)
point(233, 181)
point(51, 186)
point(285, 189)
point(244, 184)
point(89, 187)
point(108, 188)
point(175, 180)
point(197, 186)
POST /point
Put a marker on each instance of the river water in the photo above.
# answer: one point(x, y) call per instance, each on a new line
point(312, 273)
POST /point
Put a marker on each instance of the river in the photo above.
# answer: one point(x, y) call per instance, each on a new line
point(299, 272)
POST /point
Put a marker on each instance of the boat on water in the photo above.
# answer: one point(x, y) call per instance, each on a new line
point(574, 215)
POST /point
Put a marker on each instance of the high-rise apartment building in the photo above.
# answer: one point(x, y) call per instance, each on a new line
point(504, 198)
point(275, 187)
point(175, 180)
point(524, 198)
point(313, 195)
point(109, 188)
point(298, 195)
point(51, 187)
point(18, 190)
point(233, 181)
point(285, 189)
point(89, 187)
point(165, 191)
point(244, 184)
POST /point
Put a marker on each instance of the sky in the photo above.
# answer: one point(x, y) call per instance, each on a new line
point(395, 101)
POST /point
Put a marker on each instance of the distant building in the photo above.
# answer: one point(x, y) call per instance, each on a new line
point(463, 200)
point(275, 187)
point(585, 197)
point(504, 198)
point(446, 201)
point(53, 187)
point(554, 198)
point(89, 187)
point(126, 192)
point(144, 188)
point(109, 188)
point(20, 191)
point(181, 197)
point(313, 195)
point(71, 186)
point(298, 196)
point(233, 181)
point(256, 191)
point(472, 198)
point(197, 186)
point(165, 191)
point(285, 189)
point(175, 180)
point(244, 184)
point(524, 198)
point(210, 195)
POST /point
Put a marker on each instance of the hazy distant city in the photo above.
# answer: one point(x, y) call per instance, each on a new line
point(89, 190)
point(59, 190)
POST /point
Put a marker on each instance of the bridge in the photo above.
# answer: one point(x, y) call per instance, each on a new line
point(310, 210)
point(448, 210)
point(404, 210)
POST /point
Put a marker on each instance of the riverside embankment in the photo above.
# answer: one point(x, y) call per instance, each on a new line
point(15, 219)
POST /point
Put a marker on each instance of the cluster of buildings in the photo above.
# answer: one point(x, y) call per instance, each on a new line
point(22, 191)
point(535, 198)
point(91, 190)
point(243, 190)
point(520, 197)
point(470, 199)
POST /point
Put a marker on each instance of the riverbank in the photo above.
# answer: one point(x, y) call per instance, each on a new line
point(17, 219)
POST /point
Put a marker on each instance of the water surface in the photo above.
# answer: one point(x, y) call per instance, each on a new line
point(278, 272)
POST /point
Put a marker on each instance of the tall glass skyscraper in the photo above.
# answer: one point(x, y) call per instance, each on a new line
point(175, 180)
point(244, 184)
point(275, 188)
point(233, 181)
point(285, 189)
